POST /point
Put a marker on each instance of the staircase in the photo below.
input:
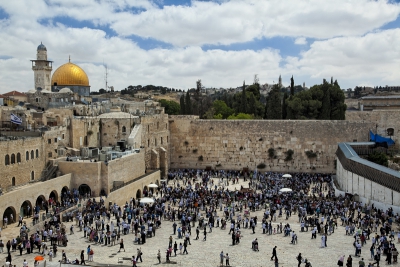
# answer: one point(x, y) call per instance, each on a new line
point(49, 172)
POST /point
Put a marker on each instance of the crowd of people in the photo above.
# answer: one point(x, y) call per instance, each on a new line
point(201, 200)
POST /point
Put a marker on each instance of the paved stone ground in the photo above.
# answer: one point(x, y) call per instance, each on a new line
point(206, 253)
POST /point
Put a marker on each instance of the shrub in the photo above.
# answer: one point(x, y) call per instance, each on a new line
point(310, 154)
point(289, 155)
point(271, 153)
point(261, 166)
point(378, 158)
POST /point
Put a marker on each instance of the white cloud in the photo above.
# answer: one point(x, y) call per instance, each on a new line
point(300, 41)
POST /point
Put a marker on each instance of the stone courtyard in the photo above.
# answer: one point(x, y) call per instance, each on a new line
point(206, 253)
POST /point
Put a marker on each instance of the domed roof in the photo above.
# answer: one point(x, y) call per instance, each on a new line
point(41, 47)
point(32, 91)
point(70, 74)
point(65, 90)
point(116, 115)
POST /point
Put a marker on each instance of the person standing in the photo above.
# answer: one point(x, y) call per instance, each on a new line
point(83, 258)
point(121, 245)
point(221, 258)
point(227, 260)
point(139, 255)
point(185, 244)
point(159, 256)
point(91, 253)
point(349, 262)
point(205, 234)
point(197, 233)
point(299, 258)
point(276, 262)
point(273, 253)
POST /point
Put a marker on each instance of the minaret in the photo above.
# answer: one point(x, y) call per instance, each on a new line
point(280, 81)
point(42, 69)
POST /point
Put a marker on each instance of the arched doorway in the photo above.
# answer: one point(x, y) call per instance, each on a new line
point(53, 197)
point(145, 191)
point(138, 194)
point(84, 189)
point(64, 192)
point(10, 214)
point(40, 202)
point(26, 209)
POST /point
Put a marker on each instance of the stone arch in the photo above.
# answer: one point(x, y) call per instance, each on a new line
point(145, 191)
point(40, 201)
point(53, 195)
point(24, 210)
point(27, 155)
point(32, 154)
point(32, 175)
point(64, 191)
point(13, 181)
point(7, 160)
point(7, 214)
point(84, 189)
point(12, 158)
point(18, 157)
point(138, 194)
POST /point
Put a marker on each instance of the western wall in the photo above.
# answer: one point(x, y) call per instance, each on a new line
point(232, 144)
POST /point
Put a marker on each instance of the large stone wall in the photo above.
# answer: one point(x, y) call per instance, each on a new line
point(231, 144)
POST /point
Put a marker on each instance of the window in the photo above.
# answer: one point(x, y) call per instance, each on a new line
point(27, 155)
point(148, 142)
point(49, 141)
point(155, 141)
point(50, 155)
point(63, 136)
point(32, 154)
point(167, 139)
point(19, 157)
point(55, 140)
point(7, 160)
point(12, 158)
point(161, 141)
point(123, 129)
point(13, 181)
point(37, 100)
point(32, 175)
point(37, 153)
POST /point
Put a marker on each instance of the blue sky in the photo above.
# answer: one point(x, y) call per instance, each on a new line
point(175, 43)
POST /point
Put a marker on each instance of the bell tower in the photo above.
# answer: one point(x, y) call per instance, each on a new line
point(42, 69)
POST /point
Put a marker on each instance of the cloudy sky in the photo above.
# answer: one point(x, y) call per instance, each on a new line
point(222, 42)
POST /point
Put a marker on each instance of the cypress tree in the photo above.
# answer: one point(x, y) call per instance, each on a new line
point(188, 104)
point(284, 106)
point(274, 110)
point(292, 86)
point(326, 102)
point(244, 99)
point(182, 103)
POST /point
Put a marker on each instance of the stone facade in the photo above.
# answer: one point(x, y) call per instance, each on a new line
point(231, 144)
point(22, 161)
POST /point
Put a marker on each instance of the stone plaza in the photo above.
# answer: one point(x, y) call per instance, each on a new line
point(206, 253)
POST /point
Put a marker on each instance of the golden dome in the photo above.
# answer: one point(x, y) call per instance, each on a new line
point(70, 74)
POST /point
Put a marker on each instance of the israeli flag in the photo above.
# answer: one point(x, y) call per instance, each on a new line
point(15, 119)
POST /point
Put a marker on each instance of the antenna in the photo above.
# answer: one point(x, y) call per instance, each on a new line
point(106, 74)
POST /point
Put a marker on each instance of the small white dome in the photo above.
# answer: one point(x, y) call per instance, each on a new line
point(65, 90)
point(46, 92)
point(32, 91)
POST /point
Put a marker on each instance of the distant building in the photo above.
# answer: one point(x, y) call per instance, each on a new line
point(372, 102)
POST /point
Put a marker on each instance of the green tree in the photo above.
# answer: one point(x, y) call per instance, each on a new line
point(241, 116)
point(255, 90)
point(274, 107)
point(379, 158)
point(188, 104)
point(182, 104)
point(243, 99)
point(338, 107)
point(325, 113)
point(220, 107)
point(284, 106)
point(171, 107)
point(292, 86)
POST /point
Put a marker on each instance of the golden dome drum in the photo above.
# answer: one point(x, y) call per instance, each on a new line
point(70, 74)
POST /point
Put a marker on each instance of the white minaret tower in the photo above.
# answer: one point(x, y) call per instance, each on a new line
point(42, 69)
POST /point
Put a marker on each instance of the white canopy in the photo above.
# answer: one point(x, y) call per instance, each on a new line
point(153, 185)
point(286, 175)
point(284, 190)
point(147, 200)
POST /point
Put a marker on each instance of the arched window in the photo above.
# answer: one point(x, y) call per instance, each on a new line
point(155, 141)
point(161, 140)
point(32, 175)
point(37, 153)
point(18, 157)
point(27, 155)
point(7, 160)
point(148, 142)
point(13, 181)
point(32, 154)
point(12, 158)
point(123, 129)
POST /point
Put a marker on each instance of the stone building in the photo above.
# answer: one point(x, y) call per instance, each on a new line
point(372, 102)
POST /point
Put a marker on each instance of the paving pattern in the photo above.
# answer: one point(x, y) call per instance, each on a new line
point(206, 253)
